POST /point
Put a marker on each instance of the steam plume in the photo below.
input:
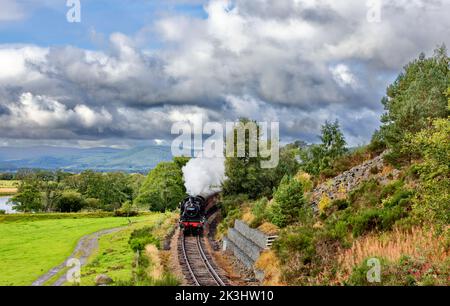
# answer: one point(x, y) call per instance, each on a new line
point(204, 176)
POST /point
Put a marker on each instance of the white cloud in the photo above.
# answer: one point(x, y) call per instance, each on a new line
point(296, 61)
point(344, 76)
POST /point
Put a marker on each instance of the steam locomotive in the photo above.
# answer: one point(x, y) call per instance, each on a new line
point(192, 215)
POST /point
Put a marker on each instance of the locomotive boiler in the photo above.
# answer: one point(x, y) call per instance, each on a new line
point(192, 215)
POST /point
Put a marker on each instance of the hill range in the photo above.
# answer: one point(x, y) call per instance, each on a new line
point(138, 159)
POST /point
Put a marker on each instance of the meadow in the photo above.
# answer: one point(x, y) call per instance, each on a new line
point(30, 247)
point(8, 187)
point(115, 258)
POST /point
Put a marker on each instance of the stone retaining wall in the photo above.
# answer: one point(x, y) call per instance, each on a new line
point(247, 244)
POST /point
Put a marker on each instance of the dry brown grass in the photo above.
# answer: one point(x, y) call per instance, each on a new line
point(269, 263)
point(415, 243)
point(269, 228)
point(248, 217)
point(155, 269)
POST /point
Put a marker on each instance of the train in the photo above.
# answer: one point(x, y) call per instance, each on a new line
point(193, 215)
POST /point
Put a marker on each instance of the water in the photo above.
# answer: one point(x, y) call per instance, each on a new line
point(5, 206)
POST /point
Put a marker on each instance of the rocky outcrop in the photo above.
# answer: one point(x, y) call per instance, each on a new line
point(349, 180)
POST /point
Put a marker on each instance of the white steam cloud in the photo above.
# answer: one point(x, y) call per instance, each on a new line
point(204, 176)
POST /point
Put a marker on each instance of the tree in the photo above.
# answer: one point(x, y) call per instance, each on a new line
point(333, 141)
point(28, 198)
point(163, 188)
point(51, 192)
point(432, 200)
point(417, 95)
point(288, 202)
point(112, 189)
point(70, 201)
point(319, 157)
point(245, 174)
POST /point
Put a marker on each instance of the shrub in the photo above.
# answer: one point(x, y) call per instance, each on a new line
point(367, 220)
point(300, 241)
point(304, 179)
point(366, 195)
point(126, 210)
point(340, 204)
point(125, 213)
point(391, 188)
point(2, 212)
point(324, 203)
point(139, 238)
point(92, 204)
point(259, 211)
point(289, 202)
point(359, 274)
point(70, 201)
point(432, 200)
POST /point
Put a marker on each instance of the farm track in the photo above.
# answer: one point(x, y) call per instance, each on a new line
point(85, 247)
point(197, 264)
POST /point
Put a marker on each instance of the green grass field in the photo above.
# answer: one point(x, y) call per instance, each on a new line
point(29, 249)
point(114, 256)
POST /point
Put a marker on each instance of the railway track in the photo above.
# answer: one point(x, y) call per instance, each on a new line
point(198, 266)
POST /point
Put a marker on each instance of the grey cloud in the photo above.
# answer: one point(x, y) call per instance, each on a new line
point(298, 62)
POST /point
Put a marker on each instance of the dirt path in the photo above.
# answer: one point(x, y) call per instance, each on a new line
point(85, 247)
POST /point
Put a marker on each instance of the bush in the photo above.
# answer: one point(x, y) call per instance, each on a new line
point(2, 212)
point(299, 240)
point(335, 206)
point(405, 272)
point(432, 200)
point(259, 211)
point(141, 237)
point(365, 221)
point(125, 213)
point(359, 274)
point(126, 210)
point(70, 201)
point(92, 204)
point(366, 195)
point(288, 202)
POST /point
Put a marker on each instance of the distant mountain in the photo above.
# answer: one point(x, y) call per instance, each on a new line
point(139, 159)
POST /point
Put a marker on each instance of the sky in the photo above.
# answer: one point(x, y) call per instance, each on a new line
point(130, 69)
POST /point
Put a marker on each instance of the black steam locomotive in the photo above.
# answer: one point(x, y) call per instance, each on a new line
point(192, 215)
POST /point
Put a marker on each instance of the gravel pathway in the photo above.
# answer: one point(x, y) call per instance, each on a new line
point(85, 247)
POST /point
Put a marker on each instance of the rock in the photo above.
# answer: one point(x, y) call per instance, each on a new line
point(103, 279)
point(350, 179)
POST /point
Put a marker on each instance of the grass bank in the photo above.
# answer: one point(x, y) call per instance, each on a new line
point(33, 244)
point(115, 257)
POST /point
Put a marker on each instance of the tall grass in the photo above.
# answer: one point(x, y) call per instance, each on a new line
point(415, 243)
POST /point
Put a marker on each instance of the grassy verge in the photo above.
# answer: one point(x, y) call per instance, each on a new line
point(114, 256)
point(30, 246)
point(49, 216)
